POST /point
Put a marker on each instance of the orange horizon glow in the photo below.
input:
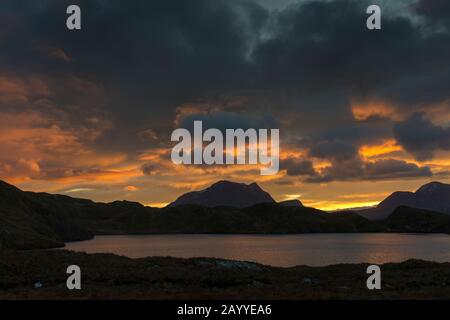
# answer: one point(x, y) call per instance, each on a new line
point(31, 140)
point(331, 206)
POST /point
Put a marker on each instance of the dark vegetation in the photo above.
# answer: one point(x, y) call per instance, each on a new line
point(107, 276)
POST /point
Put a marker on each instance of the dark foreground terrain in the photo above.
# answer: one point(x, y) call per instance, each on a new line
point(107, 276)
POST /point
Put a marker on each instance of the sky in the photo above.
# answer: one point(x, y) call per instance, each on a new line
point(89, 113)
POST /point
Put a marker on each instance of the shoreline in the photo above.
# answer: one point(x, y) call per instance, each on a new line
point(274, 250)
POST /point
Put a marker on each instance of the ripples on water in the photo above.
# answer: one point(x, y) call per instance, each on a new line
point(278, 250)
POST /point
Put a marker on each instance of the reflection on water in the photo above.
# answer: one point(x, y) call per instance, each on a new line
point(278, 250)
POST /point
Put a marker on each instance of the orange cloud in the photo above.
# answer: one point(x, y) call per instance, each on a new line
point(363, 111)
point(59, 54)
point(387, 147)
point(17, 92)
point(37, 147)
point(439, 113)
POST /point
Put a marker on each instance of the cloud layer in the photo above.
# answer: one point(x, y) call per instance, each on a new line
point(94, 109)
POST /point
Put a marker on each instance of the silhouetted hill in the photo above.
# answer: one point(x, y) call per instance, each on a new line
point(35, 220)
point(39, 220)
point(260, 218)
point(291, 203)
point(226, 193)
point(434, 196)
point(405, 219)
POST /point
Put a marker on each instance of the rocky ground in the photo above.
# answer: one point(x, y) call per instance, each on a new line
point(42, 275)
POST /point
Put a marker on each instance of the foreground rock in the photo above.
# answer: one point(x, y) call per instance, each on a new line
point(106, 276)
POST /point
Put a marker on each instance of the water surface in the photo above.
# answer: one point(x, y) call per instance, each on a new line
point(279, 250)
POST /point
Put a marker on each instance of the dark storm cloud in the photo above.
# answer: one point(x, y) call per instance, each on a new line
point(437, 10)
point(150, 56)
point(297, 167)
point(346, 164)
point(419, 136)
point(324, 35)
point(343, 142)
point(423, 87)
point(356, 169)
point(229, 120)
point(303, 64)
point(164, 43)
point(150, 168)
point(335, 150)
point(184, 48)
point(401, 63)
point(359, 133)
point(391, 169)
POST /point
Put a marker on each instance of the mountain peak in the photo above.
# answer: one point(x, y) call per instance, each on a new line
point(4, 184)
point(232, 183)
point(434, 196)
point(432, 187)
point(10, 190)
point(226, 183)
point(255, 186)
point(226, 193)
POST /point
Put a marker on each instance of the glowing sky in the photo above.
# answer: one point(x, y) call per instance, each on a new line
point(89, 113)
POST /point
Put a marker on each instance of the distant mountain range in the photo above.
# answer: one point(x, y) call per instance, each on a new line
point(230, 194)
point(226, 193)
point(31, 220)
point(434, 196)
